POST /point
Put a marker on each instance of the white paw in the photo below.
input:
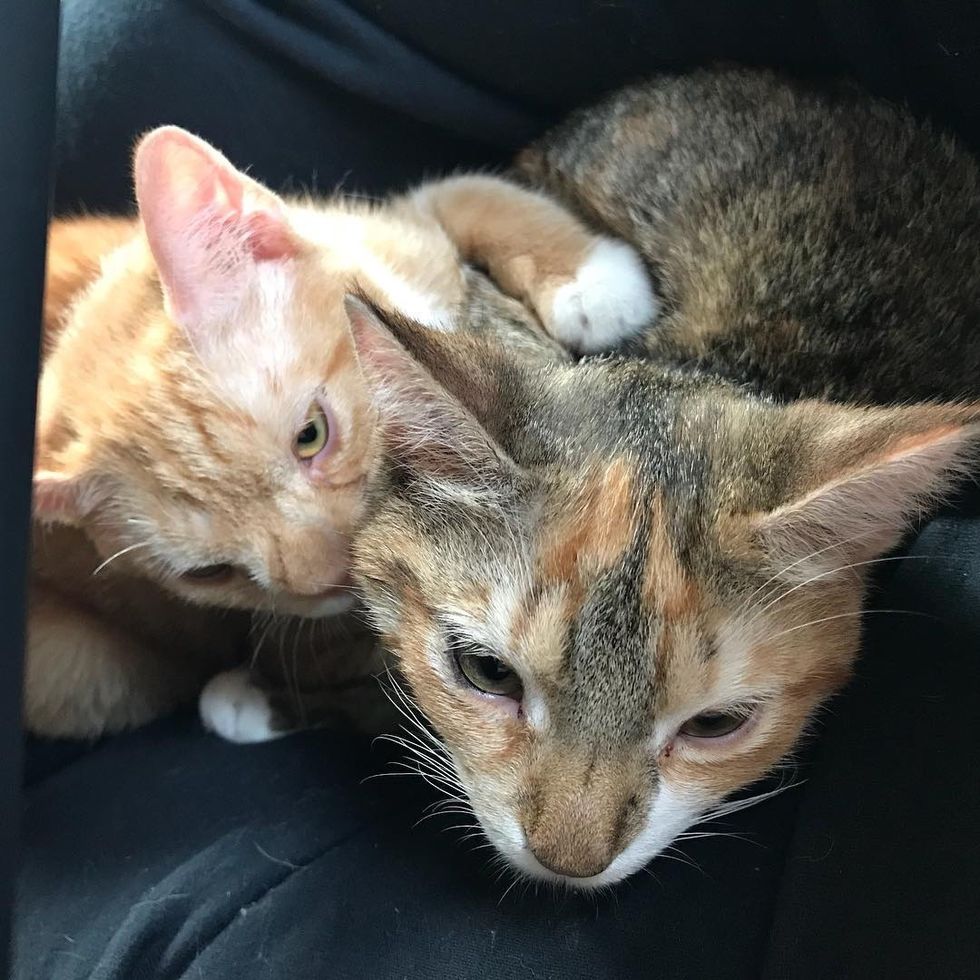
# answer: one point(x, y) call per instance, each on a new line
point(234, 708)
point(609, 300)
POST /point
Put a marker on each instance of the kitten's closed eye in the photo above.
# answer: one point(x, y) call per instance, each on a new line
point(716, 724)
point(213, 574)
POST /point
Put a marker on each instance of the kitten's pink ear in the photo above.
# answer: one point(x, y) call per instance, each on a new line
point(866, 475)
point(61, 498)
point(205, 221)
point(423, 426)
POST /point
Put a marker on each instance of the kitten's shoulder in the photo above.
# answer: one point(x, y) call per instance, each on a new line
point(76, 248)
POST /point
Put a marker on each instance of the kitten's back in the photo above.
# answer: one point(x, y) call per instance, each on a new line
point(805, 243)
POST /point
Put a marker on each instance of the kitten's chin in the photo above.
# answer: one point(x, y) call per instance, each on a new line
point(330, 603)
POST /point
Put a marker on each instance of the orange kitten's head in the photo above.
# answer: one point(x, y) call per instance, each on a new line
point(203, 416)
point(620, 592)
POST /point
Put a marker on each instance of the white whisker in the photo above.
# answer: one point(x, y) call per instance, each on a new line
point(735, 806)
point(846, 615)
point(827, 574)
point(119, 554)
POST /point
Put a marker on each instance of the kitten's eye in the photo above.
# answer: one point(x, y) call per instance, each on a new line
point(489, 674)
point(314, 434)
point(714, 724)
point(210, 573)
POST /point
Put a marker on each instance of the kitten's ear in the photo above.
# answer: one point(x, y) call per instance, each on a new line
point(205, 222)
point(863, 476)
point(424, 427)
point(63, 498)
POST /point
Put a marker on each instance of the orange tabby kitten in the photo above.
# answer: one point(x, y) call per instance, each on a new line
point(203, 430)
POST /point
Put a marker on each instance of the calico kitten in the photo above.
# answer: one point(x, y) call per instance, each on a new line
point(620, 589)
point(203, 429)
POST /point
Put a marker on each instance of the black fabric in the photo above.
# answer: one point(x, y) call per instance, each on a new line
point(374, 93)
point(169, 854)
point(881, 877)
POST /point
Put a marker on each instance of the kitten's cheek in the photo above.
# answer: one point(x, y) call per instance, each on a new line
point(496, 706)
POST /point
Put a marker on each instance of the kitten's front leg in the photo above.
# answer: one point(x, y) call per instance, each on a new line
point(234, 706)
point(590, 292)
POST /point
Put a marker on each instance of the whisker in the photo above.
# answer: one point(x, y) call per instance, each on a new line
point(507, 890)
point(699, 835)
point(800, 561)
point(680, 857)
point(119, 554)
point(736, 806)
point(846, 615)
point(421, 749)
point(258, 646)
point(418, 758)
point(827, 574)
point(295, 691)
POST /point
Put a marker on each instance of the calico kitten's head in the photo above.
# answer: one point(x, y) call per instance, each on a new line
point(202, 415)
point(619, 593)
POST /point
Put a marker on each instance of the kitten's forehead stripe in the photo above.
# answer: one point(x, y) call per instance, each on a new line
point(610, 664)
point(596, 527)
point(541, 624)
point(668, 589)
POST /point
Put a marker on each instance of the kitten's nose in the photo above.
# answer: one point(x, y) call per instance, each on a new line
point(579, 865)
point(311, 566)
point(581, 812)
point(576, 838)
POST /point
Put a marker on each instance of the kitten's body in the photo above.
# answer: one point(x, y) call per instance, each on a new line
point(622, 588)
point(184, 352)
point(805, 245)
point(106, 649)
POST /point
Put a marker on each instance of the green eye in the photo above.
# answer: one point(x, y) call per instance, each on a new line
point(314, 434)
point(715, 724)
point(487, 673)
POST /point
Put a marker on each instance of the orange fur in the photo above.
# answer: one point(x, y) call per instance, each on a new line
point(598, 527)
point(183, 354)
point(583, 810)
point(75, 250)
point(667, 587)
point(525, 239)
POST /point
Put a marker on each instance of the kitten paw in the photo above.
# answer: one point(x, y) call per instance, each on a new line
point(609, 300)
point(234, 708)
